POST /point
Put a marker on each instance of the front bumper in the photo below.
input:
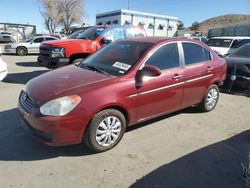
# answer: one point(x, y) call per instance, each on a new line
point(10, 50)
point(53, 131)
point(52, 62)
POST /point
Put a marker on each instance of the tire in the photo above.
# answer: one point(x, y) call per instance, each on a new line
point(21, 51)
point(105, 130)
point(210, 100)
point(78, 60)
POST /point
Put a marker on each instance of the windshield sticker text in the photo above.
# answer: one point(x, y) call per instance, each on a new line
point(122, 66)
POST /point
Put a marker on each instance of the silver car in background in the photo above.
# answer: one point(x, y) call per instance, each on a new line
point(30, 46)
point(6, 37)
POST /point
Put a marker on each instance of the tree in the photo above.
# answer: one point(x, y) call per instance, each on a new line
point(61, 12)
point(72, 11)
point(180, 25)
point(51, 14)
point(195, 27)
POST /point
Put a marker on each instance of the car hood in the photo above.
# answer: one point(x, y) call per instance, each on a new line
point(65, 42)
point(58, 82)
point(237, 60)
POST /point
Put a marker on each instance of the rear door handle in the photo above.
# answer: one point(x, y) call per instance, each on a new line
point(176, 76)
point(209, 68)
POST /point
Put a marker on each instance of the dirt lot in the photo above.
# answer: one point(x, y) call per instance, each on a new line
point(184, 149)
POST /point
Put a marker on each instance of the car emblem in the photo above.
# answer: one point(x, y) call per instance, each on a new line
point(24, 97)
point(233, 77)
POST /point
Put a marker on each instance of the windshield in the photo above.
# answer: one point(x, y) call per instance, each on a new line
point(28, 40)
point(243, 51)
point(75, 34)
point(219, 42)
point(91, 33)
point(117, 58)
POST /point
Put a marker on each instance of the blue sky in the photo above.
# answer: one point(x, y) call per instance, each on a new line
point(189, 11)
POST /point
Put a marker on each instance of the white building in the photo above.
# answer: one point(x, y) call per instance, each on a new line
point(154, 24)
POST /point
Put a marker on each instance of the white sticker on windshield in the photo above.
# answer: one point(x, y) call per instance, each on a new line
point(121, 65)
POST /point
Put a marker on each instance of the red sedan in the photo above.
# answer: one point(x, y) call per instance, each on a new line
point(127, 82)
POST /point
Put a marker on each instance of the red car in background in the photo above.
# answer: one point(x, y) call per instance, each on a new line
point(63, 52)
point(127, 82)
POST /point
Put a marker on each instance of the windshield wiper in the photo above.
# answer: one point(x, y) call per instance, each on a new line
point(96, 69)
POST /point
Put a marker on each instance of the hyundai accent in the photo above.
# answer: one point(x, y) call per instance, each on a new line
point(127, 82)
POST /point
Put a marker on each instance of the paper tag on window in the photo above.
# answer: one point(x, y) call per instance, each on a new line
point(122, 66)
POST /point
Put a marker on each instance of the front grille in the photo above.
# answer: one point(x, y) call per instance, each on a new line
point(7, 46)
point(26, 102)
point(6, 37)
point(45, 52)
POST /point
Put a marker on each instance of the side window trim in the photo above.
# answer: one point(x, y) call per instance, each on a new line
point(183, 55)
point(143, 64)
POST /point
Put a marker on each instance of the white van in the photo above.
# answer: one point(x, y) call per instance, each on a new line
point(225, 45)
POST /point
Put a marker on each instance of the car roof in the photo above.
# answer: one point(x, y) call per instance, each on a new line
point(157, 40)
point(230, 37)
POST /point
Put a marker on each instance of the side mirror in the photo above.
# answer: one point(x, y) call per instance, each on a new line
point(147, 71)
point(106, 40)
point(151, 71)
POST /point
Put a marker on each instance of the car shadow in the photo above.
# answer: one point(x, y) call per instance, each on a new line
point(28, 64)
point(216, 165)
point(17, 145)
point(22, 78)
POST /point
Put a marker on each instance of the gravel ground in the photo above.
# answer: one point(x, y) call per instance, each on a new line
point(184, 149)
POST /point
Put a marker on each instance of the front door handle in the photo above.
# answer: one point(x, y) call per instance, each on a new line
point(209, 68)
point(176, 77)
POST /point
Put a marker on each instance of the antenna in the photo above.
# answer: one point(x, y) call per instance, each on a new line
point(128, 4)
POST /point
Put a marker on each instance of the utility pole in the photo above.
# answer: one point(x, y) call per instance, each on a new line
point(128, 4)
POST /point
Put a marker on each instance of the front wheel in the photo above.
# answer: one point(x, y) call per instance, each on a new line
point(21, 51)
point(210, 99)
point(105, 130)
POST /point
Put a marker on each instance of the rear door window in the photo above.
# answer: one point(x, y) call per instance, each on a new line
point(166, 57)
point(49, 38)
point(38, 40)
point(194, 53)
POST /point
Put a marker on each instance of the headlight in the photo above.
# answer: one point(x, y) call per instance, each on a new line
point(60, 106)
point(57, 52)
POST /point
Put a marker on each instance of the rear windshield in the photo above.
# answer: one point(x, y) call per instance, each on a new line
point(219, 42)
point(75, 35)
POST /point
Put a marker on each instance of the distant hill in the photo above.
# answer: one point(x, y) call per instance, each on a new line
point(222, 21)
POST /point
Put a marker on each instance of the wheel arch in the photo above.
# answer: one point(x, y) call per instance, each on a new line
point(115, 107)
point(77, 56)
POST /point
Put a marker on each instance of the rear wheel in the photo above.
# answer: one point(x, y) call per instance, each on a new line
point(105, 130)
point(210, 99)
point(21, 51)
